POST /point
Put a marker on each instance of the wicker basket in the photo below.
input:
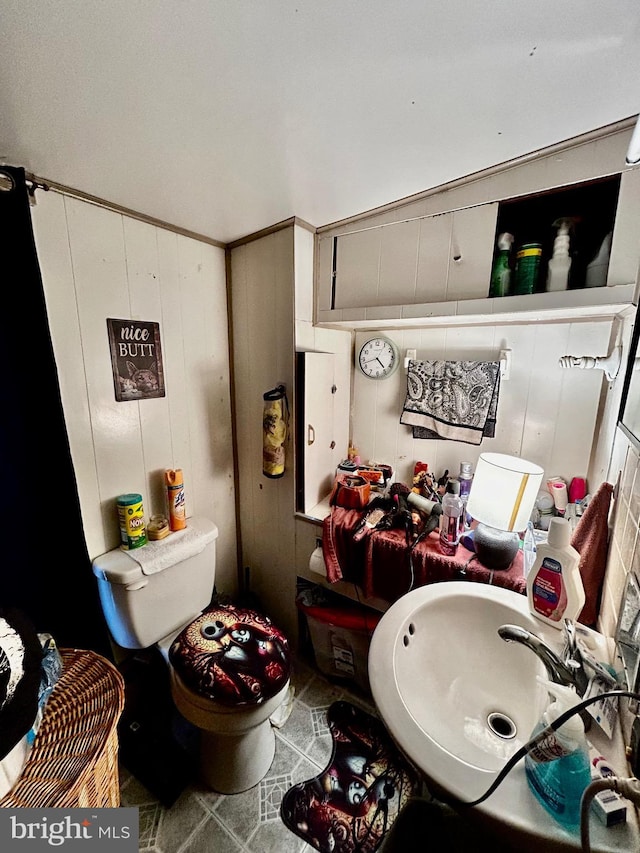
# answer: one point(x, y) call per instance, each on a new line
point(74, 759)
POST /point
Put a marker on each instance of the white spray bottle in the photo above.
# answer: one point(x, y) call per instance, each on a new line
point(560, 263)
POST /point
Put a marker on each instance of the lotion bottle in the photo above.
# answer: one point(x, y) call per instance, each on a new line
point(554, 584)
point(560, 262)
point(558, 768)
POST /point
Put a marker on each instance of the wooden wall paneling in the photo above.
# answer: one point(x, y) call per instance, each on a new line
point(514, 392)
point(98, 254)
point(398, 263)
point(178, 454)
point(472, 239)
point(303, 249)
point(357, 269)
point(623, 265)
point(603, 464)
point(433, 259)
point(266, 512)
point(576, 415)
point(545, 393)
point(141, 251)
point(52, 244)
point(208, 411)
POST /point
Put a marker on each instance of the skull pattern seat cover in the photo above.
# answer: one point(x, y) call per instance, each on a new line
point(234, 656)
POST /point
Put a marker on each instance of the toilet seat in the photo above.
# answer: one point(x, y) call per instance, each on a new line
point(229, 671)
point(232, 656)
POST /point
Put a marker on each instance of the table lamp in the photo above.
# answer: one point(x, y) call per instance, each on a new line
point(501, 500)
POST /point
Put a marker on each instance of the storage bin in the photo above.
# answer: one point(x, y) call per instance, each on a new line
point(340, 636)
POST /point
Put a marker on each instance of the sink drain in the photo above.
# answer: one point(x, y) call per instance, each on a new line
point(501, 725)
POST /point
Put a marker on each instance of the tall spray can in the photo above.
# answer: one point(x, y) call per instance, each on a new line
point(175, 498)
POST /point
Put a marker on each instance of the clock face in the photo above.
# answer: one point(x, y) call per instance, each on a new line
point(378, 358)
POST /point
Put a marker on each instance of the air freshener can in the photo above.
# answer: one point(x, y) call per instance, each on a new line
point(133, 531)
point(527, 268)
point(175, 498)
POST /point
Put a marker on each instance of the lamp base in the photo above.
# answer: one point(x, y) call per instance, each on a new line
point(496, 549)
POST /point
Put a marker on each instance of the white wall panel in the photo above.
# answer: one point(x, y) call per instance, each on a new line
point(96, 238)
point(144, 285)
point(50, 229)
point(262, 302)
point(546, 413)
point(98, 264)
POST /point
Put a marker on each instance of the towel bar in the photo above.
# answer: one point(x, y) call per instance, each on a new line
point(505, 361)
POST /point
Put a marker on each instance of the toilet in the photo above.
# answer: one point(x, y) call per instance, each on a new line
point(229, 666)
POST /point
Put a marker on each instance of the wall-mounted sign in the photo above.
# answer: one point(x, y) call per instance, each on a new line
point(136, 359)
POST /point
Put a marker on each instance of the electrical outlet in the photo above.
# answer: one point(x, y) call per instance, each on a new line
point(633, 753)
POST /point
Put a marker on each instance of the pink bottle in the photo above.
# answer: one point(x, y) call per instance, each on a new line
point(577, 489)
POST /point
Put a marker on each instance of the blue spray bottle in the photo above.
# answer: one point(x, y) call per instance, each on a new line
point(558, 769)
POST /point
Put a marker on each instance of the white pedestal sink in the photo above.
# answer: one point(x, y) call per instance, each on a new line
point(460, 701)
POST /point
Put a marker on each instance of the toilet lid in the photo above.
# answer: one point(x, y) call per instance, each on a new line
point(232, 655)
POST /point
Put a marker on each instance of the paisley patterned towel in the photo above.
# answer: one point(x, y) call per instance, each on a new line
point(455, 400)
point(353, 803)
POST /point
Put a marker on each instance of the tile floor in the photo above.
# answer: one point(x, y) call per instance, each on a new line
point(202, 821)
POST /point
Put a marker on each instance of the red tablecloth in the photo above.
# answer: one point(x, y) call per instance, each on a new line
point(386, 568)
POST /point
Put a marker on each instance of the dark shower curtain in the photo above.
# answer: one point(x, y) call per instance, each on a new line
point(45, 569)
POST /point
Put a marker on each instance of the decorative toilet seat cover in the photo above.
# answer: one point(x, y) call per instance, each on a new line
point(232, 655)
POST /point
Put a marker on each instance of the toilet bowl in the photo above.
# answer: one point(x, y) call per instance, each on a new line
point(228, 666)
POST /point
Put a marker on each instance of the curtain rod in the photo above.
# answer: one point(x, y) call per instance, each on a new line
point(36, 183)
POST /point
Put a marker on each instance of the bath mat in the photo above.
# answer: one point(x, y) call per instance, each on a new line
point(353, 803)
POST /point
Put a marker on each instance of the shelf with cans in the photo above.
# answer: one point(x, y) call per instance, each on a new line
point(555, 241)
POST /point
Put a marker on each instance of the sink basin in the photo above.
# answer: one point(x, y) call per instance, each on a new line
point(464, 699)
point(460, 701)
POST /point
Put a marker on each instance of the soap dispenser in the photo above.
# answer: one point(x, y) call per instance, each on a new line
point(560, 262)
point(557, 768)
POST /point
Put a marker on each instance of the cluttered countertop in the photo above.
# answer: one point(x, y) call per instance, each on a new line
point(387, 537)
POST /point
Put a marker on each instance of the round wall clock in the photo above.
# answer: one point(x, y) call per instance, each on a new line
point(378, 358)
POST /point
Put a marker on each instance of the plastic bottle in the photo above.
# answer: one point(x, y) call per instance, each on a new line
point(528, 549)
point(175, 498)
point(596, 275)
point(560, 263)
point(554, 585)
point(558, 769)
point(466, 478)
point(450, 519)
point(501, 272)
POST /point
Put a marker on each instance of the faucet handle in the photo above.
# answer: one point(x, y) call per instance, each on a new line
point(570, 640)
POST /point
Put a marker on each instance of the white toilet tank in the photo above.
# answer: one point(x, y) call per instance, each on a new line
point(151, 591)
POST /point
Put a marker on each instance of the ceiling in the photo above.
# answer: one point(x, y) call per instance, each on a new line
point(223, 117)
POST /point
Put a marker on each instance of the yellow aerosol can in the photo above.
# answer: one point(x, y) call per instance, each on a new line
point(175, 498)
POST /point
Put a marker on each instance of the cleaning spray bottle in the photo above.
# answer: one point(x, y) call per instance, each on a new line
point(560, 263)
point(557, 768)
point(554, 585)
point(501, 272)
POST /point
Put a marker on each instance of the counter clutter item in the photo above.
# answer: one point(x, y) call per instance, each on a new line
point(133, 533)
point(385, 567)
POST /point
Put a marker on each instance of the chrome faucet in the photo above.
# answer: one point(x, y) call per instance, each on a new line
point(566, 672)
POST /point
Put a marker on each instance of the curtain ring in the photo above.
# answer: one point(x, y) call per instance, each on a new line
point(7, 183)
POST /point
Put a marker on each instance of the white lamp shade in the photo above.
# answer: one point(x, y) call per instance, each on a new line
point(503, 491)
